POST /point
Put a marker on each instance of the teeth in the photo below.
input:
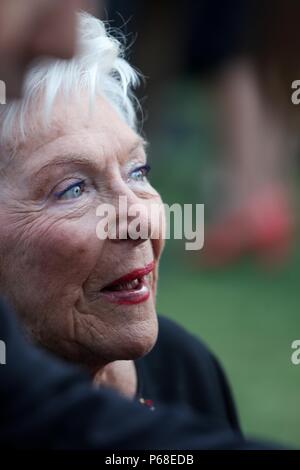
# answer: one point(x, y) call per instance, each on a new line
point(135, 283)
point(128, 285)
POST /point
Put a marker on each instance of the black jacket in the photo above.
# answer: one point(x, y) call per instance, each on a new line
point(50, 405)
point(181, 371)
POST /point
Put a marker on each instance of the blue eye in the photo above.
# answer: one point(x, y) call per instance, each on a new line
point(140, 174)
point(72, 192)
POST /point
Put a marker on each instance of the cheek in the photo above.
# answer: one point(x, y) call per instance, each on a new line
point(67, 253)
point(55, 257)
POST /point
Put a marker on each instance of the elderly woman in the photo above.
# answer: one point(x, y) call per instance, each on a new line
point(69, 146)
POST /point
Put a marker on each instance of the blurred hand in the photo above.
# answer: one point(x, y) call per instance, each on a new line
point(31, 28)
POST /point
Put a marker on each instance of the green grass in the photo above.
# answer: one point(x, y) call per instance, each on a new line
point(249, 319)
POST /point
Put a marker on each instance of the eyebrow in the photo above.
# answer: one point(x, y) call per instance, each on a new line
point(81, 159)
point(66, 159)
point(140, 143)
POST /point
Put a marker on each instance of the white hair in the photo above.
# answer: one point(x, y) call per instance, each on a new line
point(98, 67)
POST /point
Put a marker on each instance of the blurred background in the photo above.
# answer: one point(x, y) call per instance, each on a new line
point(223, 132)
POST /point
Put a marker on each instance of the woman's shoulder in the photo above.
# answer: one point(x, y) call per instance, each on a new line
point(181, 368)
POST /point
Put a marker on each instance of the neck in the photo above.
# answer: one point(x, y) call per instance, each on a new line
point(119, 375)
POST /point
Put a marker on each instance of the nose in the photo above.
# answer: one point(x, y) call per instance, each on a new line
point(129, 217)
point(133, 219)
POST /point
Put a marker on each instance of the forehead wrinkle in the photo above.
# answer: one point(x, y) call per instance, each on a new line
point(140, 143)
point(137, 148)
point(70, 159)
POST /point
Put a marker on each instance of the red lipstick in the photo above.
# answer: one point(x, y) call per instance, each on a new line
point(130, 289)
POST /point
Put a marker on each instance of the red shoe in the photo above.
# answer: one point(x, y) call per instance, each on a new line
point(264, 227)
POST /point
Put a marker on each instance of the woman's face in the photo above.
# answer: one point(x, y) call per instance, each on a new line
point(54, 268)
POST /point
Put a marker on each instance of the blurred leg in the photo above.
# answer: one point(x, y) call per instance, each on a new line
point(255, 212)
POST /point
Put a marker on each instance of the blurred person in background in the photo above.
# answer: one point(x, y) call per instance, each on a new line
point(216, 42)
point(254, 176)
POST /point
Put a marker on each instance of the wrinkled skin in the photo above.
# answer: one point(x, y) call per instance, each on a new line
point(52, 263)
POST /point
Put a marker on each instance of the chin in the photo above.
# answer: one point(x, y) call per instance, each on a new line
point(137, 341)
point(140, 348)
point(128, 343)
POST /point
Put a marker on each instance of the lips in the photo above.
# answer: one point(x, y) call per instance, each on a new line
point(133, 288)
